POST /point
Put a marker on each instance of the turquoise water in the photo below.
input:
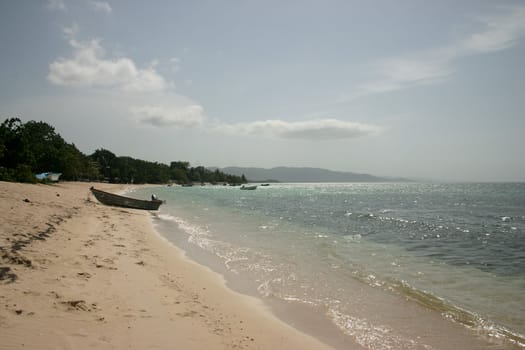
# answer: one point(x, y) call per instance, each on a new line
point(455, 249)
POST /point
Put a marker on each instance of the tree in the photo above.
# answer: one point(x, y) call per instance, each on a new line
point(48, 150)
point(35, 147)
point(14, 150)
point(106, 162)
point(180, 165)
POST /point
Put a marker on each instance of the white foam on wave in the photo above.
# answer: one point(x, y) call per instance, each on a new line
point(166, 217)
point(372, 336)
point(355, 238)
point(235, 258)
point(285, 287)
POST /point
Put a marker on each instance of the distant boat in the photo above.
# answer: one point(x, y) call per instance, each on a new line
point(243, 187)
point(265, 184)
point(125, 202)
point(53, 177)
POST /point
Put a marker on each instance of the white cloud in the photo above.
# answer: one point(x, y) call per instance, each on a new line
point(186, 115)
point(192, 115)
point(501, 32)
point(402, 73)
point(56, 5)
point(179, 116)
point(70, 32)
point(321, 129)
point(89, 68)
point(101, 6)
point(435, 65)
point(175, 64)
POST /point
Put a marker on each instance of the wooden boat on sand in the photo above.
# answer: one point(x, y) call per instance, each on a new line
point(125, 202)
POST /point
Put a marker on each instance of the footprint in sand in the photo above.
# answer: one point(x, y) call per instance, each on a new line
point(80, 305)
point(85, 275)
point(100, 266)
point(89, 243)
point(109, 261)
point(190, 313)
point(7, 275)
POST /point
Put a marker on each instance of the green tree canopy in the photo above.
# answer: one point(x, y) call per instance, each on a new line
point(35, 147)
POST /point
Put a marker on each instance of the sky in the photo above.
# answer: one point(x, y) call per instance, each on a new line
point(411, 88)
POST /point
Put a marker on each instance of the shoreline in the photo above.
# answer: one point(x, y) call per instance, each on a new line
point(407, 319)
point(77, 274)
point(310, 320)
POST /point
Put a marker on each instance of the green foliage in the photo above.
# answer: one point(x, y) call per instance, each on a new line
point(35, 147)
point(106, 161)
point(200, 175)
point(129, 170)
point(23, 173)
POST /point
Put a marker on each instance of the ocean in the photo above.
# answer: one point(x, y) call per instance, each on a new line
point(389, 265)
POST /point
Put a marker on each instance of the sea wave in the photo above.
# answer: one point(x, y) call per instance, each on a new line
point(446, 308)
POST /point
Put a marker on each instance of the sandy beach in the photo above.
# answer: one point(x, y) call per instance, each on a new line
point(75, 274)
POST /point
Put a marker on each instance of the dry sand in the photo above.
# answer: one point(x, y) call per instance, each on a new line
point(75, 274)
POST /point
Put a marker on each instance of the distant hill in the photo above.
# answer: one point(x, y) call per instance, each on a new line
point(288, 174)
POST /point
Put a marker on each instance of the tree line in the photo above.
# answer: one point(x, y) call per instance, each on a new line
point(34, 147)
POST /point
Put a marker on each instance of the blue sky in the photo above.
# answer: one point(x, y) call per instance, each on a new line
point(427, 89)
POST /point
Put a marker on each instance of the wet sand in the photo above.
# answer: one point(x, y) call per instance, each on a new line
point(75, 274)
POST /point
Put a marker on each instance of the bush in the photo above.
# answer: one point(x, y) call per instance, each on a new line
point(6, 174)
point(23, 173)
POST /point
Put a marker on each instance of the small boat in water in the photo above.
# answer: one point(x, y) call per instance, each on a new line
point(125, 202)
point(243, 187)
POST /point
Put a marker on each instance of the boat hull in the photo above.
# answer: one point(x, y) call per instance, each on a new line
point(125, 202)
